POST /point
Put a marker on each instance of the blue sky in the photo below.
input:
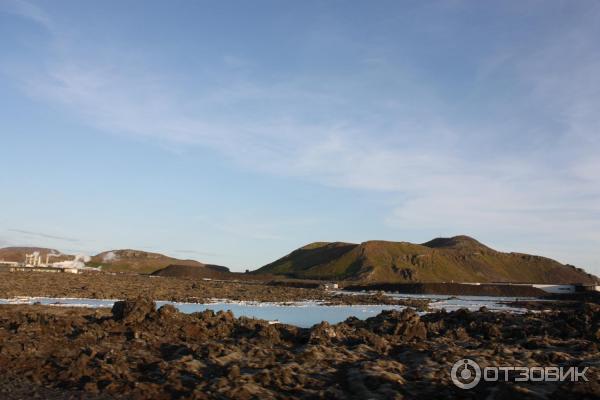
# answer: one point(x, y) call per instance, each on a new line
point(233, 132)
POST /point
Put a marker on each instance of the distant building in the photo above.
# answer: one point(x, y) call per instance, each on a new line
point(555, 288)
point(329, 286)
point(8, 263)
point(548, 288)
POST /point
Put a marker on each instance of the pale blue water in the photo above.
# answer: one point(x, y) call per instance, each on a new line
point(303, 314)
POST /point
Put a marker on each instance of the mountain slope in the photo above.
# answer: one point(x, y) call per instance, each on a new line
point(326, 255)
point(18, 253)
point(458, 259)
point(195, 272)
point(138, 261)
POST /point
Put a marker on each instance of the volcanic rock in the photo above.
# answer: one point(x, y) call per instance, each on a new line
point(133, 311)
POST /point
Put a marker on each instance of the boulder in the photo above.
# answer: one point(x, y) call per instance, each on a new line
point(133, 311)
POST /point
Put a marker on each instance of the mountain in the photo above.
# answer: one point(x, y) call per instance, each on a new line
point(458, 259)
point(141, 261)
point(18, 254)
point(195, 271)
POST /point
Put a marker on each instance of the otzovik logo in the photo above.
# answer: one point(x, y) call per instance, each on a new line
point(465, 373)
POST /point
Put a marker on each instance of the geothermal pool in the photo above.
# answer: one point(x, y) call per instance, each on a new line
point(302, 314)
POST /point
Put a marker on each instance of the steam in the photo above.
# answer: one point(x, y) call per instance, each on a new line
point(53, 254)
point(110, 256)
point(78, 262)
point(82, 258)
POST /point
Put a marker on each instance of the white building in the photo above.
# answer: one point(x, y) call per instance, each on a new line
point(555, 288)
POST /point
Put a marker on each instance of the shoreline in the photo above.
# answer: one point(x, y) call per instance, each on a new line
point(199, 291)
point(301, 313)
point(101, 285)
point(106, 286)
point(453, 289)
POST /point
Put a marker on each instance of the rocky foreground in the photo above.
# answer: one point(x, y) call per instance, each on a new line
point(136, 351)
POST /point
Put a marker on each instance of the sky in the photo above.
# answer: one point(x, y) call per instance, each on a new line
point(233, 132)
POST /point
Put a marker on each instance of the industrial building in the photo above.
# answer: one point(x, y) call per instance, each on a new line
point(34, 263)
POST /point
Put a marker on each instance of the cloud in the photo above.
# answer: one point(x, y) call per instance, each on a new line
point(44, 235)
point(197, 253)
point(27, 10)
point(333, 152)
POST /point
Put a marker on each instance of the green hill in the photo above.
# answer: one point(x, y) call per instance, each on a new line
point(458, 259)
point(140, 261)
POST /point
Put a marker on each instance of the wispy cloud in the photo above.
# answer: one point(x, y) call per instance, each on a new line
point(43, 235)
point(197, 253)
point(28, 11)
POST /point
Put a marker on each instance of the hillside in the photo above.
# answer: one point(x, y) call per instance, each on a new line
point(140, 261)
point(458, 259)
point(195, 272)
point(18, 253)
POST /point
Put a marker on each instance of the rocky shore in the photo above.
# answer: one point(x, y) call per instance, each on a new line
point(135, 351)
point(121, 286)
